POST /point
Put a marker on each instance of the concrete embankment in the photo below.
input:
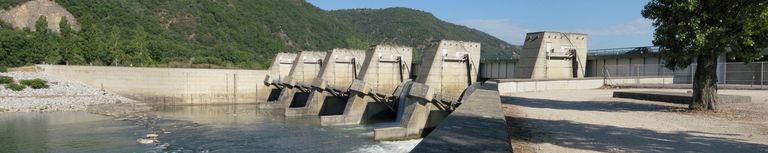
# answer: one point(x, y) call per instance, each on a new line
point(178, 86)
point(478, 125)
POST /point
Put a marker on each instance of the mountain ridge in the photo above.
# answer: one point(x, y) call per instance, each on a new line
point(220, 33)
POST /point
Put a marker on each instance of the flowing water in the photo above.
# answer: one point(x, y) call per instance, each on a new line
point(208, 128)
point(68, 132)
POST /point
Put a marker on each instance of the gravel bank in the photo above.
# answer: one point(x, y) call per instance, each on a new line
point(62, 95)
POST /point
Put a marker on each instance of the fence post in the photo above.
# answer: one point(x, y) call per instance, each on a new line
point(691, 73)
point(762, 73)
point(637, 73)
point(725, 73)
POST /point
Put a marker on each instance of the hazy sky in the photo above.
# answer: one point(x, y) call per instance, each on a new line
point(609, 23)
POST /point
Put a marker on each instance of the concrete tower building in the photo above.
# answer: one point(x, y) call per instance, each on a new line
point(552, 55)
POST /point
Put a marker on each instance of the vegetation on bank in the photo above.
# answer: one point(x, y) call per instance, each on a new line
point(12, 85)
point(35, 83)
point(5, 79)
point(15, 87)
point(216, 34)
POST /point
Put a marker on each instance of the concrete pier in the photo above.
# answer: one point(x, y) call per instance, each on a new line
point(331, 85)
point(296, 85)
point(384, 69)
point(447, 69)
point(477, 126)
point(277, 72)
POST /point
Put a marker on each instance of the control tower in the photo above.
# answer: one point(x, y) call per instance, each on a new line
point(552, 55)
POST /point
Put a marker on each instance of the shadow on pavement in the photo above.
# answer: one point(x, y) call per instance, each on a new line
point(604, 138)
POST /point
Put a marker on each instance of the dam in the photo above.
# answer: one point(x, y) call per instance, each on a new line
point(376, 88)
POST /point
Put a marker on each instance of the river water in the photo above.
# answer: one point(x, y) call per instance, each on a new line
point(208, 128)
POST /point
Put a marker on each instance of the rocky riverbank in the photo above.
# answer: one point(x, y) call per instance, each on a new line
point(62, 95)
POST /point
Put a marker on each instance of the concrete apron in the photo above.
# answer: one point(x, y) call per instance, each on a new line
point(361, 103)
point(335, 75)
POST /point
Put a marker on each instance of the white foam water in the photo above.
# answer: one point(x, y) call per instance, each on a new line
point(389, 147)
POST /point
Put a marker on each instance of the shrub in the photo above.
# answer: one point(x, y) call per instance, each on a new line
point(6, 80)
point(15, 87)
point(35, 83)
point(3, 69)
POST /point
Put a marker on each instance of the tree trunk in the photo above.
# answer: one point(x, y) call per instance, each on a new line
point(705, 84)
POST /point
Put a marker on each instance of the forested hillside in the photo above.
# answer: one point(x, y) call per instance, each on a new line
point(413, 28)
point(218, 34)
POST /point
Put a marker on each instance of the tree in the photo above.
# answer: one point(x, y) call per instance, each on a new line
point(70, 44)
point(41, 25)
point(115, 46)
point(64, 27)
point(140, 54)
point(701, 30)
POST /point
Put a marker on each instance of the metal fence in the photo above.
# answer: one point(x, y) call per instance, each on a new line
point(754, 74)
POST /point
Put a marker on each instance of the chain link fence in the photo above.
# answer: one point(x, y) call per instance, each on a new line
point(753, 74)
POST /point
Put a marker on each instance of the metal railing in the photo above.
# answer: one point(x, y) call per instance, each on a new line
point(753, 74)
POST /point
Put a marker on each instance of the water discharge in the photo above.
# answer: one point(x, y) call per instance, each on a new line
point(207, 128)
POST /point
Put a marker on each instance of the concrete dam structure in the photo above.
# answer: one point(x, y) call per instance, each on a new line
point(340, 87)
point(552, 55)
point(305, 67)
point(448, 68)
point(380, 84)
point(385, 68)
point(331, 85)
point(277, 72)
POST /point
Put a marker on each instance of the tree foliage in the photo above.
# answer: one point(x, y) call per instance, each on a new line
point(702, 30)
point(689, 28)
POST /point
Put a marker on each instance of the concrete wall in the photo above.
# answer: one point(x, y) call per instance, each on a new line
point(169, 85)
point(507, 87)
point(546, 55)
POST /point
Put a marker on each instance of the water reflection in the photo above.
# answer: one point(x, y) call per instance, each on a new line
point(67, 132)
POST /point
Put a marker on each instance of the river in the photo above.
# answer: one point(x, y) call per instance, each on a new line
point(207, 128)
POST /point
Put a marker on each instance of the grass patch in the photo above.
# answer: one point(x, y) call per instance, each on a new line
point(6, 80)
point(15, 87)
point(35, 83)
point(3, 69)
point(3, 110)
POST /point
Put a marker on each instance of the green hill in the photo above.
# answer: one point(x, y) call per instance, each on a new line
point(414, 28)
point(219, 34)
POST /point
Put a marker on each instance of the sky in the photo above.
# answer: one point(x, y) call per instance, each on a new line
point(609, 23)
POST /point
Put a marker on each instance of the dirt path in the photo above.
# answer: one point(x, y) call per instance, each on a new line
point(592, 121)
